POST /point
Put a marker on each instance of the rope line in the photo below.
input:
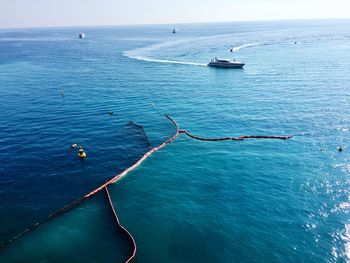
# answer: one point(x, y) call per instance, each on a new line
point(132, 257)
point(125, 172)
point(52, 215)
point(240, 138)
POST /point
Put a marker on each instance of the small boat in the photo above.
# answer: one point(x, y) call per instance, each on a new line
point(174, 30)
point(81, 35)
point(225, 63)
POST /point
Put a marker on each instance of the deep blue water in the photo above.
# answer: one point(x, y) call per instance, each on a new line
point(193, 201)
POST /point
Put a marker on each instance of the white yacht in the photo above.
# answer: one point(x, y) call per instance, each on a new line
point(225, 63)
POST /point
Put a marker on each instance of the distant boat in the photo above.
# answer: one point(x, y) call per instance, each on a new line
point(81, 35)
point(174, 30)
point(225, 63)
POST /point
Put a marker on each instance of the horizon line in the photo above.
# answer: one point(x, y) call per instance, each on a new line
point(175, 23)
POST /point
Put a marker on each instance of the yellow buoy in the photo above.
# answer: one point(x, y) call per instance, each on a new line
point(81, 153)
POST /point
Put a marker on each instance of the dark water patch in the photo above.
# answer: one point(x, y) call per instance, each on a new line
point(138, 131)
point(52, 175)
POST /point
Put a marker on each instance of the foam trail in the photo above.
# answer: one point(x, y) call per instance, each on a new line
point(138, 53)
point(156, 60)
point(244, 46)
point(131, 53)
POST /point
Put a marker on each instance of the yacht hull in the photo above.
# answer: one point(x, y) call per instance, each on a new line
point(225, 65)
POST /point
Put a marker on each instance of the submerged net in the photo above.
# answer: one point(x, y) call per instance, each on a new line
point(139, 130)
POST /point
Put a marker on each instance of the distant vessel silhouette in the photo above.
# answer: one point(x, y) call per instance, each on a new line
point(174, 30)
point(81, 35)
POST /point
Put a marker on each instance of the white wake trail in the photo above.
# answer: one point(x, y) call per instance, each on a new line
point(156, 60)
point(135, 54)
point(245, 46)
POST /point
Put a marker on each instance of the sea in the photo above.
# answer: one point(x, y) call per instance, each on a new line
point(192, 201)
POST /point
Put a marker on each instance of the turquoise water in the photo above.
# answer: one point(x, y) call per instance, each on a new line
point(193, 201)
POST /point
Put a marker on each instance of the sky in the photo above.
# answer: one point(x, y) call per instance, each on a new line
point(43, 13)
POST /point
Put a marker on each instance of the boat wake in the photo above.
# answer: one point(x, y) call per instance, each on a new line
point(165, 61)
point(244, 46)
point(142, 53)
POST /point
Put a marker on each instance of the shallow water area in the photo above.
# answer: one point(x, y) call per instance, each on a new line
point(87, 232)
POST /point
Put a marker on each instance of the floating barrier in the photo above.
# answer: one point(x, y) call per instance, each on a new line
point(132, 167)
point(132, 257)
point(93, 192)
point(240, 138)
point(125, 172)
